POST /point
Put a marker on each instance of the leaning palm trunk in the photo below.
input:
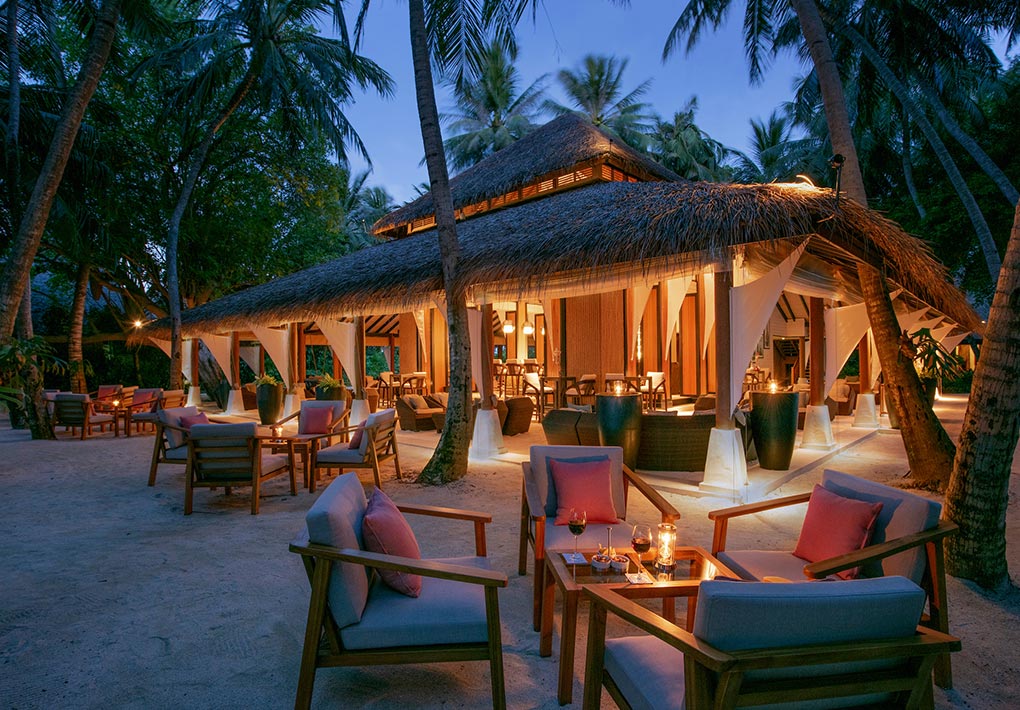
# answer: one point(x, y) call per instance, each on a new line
point(173, 283)
point(75, 357)
point(902, 93)
point(449, 462)
point(929, 449)
point(15, 276)
point(977, 495)
point(908, 167)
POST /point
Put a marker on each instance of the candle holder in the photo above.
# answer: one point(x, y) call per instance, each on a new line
point(664, 560)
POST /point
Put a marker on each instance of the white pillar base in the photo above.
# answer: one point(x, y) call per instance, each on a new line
point(866, 412)
point(487, 440)
point(194, 396)
point(726, 465)
point(817, 429)
point(291, 404)
point(235, 403)
point(359, 411)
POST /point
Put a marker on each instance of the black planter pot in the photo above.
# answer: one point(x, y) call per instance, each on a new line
point(619, 421)
point(774, 427)
point(329, 393)
point(269, 400)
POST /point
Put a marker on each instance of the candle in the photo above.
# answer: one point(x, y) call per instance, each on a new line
point(116, 403)
point(773, 387)
point(667, 539)
point(618, 388)
point(277, 431)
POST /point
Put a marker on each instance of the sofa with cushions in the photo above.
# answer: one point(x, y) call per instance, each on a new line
point(415, 414)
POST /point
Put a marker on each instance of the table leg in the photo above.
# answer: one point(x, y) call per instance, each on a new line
point(548, 602)
point(568, 636)
point(669, 610)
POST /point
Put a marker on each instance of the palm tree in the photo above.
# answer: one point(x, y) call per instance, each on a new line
point(686, 149)
point(489, 113)
point(267, 51)
point(775, 155)
point(595, 90)
point(15, 275)
point(927, 445)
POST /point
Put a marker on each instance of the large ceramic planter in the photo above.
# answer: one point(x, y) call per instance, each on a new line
point(619, 421)
point(329, 393)
point(774, 427)
point(269, 400)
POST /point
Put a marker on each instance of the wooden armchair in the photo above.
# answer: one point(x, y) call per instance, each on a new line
point(415, 413)
point(308, 439)
point(77, 411)
point(536, 388)
point(354, 622)
point(849, 644)
point(539, 501)
point(377, 445)
point(144, 401)
point(907, 541)
point(231, 455)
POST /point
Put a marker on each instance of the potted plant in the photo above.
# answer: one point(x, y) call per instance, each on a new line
point(269, 398)
point(330, 387)
point(933, 362)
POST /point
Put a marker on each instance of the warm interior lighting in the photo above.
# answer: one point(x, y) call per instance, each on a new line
point(773, 387)
point(806, 180)
point(666, 542)
point(138, 324)
point(528, 328)
point(116, 403)
point(508, 327)
point(617, 388)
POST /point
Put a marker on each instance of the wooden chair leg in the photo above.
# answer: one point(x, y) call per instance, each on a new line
point(396, 457)
point(152, 467)
point(495, 648)
point(313, 632)
point(522, 553)
point(536, 621)
point(255, 493)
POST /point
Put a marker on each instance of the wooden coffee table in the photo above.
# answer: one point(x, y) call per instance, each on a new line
point(693, 564)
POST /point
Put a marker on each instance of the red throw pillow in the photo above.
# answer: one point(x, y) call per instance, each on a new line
point(385, 530)
point(316, 420)
point(583, 485)
point(357, 436)
point(834, 526)
point(190, 420)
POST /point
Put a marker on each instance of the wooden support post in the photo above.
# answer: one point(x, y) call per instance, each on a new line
point(196, 344)
point(485, 386)
point(563, 337)
point(817, 365)
point(235, 360)
point(302, 353)
point(864, 359)
point(292, 351)
point(262, 360)
point(723, 361)
point(391, 344)
point(522, 339)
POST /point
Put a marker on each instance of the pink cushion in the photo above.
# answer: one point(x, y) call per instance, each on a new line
point(190, 420)
point(316, 420)
point(357, 436)
point(105, 391)
point(583, 485)
point(834, 526)
point(385, 530)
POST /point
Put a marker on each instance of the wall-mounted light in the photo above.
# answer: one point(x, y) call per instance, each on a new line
point(528, 328)
point(138, 324)
point(508, 327)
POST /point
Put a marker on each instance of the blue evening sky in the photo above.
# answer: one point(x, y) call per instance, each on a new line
point(563, 32)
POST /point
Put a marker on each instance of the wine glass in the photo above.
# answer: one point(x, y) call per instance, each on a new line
point(641, 539)
point(577, 522)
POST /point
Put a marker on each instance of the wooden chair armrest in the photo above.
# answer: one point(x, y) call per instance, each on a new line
point(669, 513)
point(286, 419)
point(879, 551)
point(479, 519)
point(175, 428)
point(425, 568)
point(760, 506)
point(344, 419)
point(653, 624)
point(215, 420)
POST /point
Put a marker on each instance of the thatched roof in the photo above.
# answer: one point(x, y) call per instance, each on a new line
point(558, 145)
point(590, 233)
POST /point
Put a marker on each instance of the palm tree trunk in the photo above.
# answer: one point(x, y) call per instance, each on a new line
point(14, 277)
point(902, 93)
point(908, 168)
point(929, 449)
point(75, 358)
point(969, 144)
point(449, 462)
point(13, 152)
point(173, 233)
point(978, 490)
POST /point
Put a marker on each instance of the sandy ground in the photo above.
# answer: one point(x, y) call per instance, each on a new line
point(110, 597)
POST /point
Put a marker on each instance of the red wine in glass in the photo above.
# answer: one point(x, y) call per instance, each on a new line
point(641, 539)
point(576, 523)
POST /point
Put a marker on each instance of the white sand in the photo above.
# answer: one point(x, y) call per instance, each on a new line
point(110, 597)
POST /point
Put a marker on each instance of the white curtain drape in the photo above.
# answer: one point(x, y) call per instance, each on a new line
point(751, 307)
point(276, 341)
point(844, 328)
point(419, 322)
point(219, 346)
point(708, 304)
point(551, 309)
point(250, 354)
point(673, 300)
point(341, 338)
point(637, 310)
point(475, 335)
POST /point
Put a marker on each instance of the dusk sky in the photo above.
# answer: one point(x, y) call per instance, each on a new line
point(564, 32)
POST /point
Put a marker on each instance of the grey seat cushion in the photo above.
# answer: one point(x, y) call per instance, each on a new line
point(179, 453)
point(274, 462)
point(758, 564)
point(648, 672)
point(335, 520)
point(338, 454)
point(444, 612)
point(100, 418)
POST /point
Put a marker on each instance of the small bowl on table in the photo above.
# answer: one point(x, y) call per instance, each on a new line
point(619, 563)
point(601, 562)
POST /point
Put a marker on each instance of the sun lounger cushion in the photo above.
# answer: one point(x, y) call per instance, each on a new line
point(543, 478)
point(335, 519)
point(386, 531)
point(444, 612)
point(649, 672)
point(757, 564)
point(834, 525)
point(902, 514)
point(178, 454)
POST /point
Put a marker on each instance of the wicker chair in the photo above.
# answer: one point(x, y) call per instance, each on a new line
point(519, 411)
point(415, 414)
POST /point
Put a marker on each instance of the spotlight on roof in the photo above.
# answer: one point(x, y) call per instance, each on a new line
point(836, 161)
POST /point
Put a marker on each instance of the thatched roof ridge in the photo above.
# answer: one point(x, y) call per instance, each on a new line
point(560, 144)
point(587, 231)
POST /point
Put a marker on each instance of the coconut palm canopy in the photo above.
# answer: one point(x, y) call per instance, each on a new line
point(562, 143)
point(602, 237)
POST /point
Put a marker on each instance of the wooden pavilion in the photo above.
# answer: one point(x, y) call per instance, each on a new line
point(616, 265)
